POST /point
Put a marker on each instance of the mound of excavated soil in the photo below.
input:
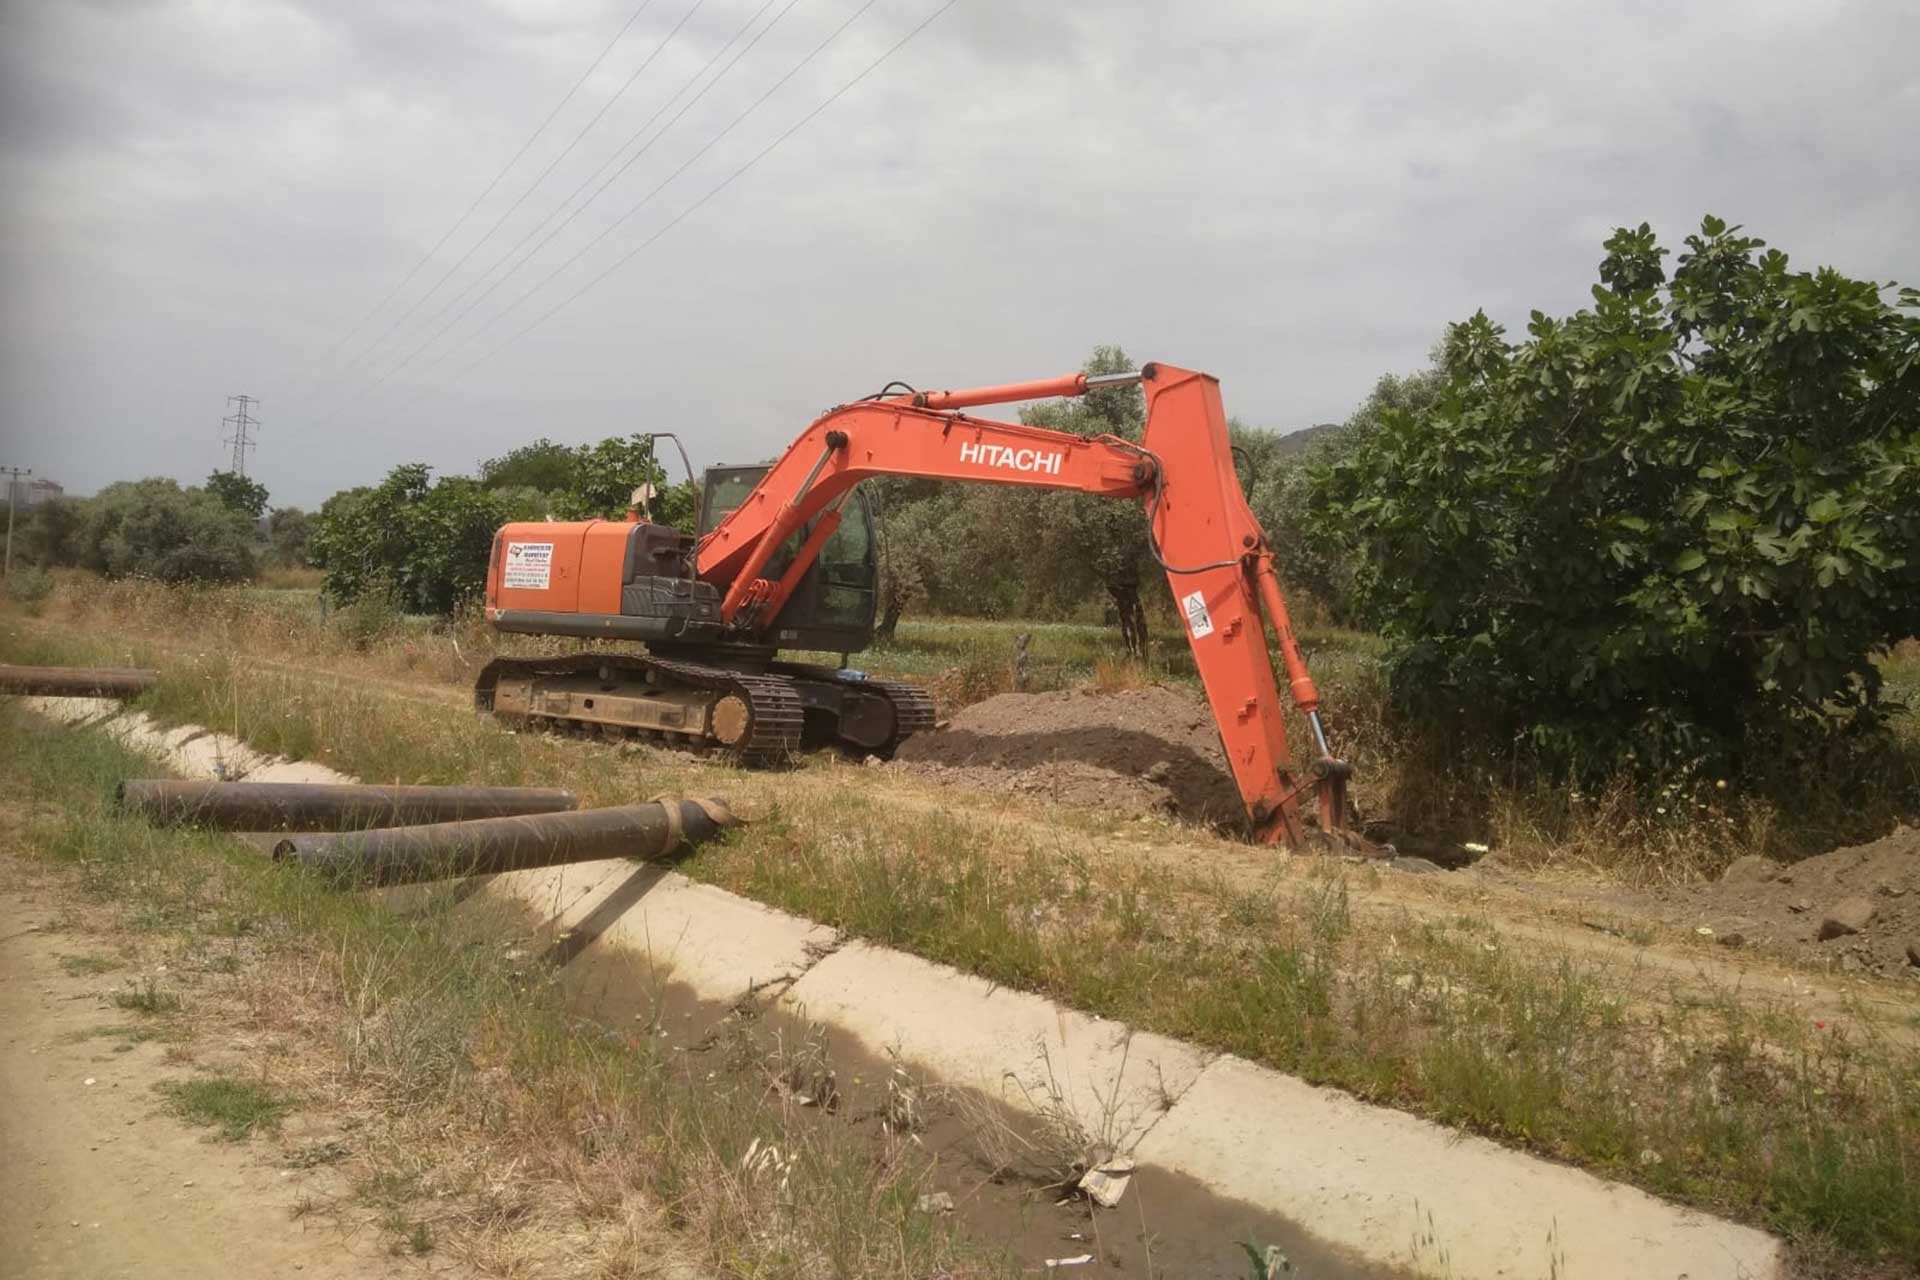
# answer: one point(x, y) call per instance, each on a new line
point(1136, 751)
point(1859, 906)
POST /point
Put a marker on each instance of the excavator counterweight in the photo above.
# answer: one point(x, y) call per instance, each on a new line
point(784, 560)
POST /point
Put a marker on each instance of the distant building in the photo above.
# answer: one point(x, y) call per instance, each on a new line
point(27, 494)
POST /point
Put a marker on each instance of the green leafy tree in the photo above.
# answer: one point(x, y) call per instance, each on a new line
point(1312, 554)
point(156, 529)
point(679, 505)
point(423, 543)
point(237, 493)
point(288, 531)
point(592, 481)
point(1674, 527)
point(542, 465)
point(359, 538)
point(451, 529)
point(50, 534)
point(605, 475)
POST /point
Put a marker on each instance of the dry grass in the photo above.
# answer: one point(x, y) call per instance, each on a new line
point(1040, 1136)
point(1747, 1109)
point(472, 1114)
point(1439, 789)
point(1114, 675)
point(289, 578)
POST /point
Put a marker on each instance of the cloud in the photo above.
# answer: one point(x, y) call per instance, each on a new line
point(202, 200)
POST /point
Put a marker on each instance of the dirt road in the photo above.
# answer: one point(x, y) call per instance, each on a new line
point(97, 1179)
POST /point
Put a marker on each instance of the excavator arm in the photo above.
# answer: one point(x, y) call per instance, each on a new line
point(1201, 531)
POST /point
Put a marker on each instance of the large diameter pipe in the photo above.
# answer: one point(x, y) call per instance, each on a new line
point(308, 806)
point(403, 855)
point(77, 682)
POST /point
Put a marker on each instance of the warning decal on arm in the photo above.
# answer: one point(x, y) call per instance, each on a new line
point(1199, 621)
point(529, 564)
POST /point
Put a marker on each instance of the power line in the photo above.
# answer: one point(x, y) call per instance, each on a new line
point(687, 212)
point(691, 160)
point(240, 422)
point(461, 221)
point(713, 191)
point(622, 219)
point(590, 178)
point(531, 187)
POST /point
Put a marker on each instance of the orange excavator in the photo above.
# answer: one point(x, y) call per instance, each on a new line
point(784, 559)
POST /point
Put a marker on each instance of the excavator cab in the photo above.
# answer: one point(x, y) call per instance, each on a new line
point(832, 608)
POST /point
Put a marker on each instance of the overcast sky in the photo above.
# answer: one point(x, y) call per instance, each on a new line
point(201, 198)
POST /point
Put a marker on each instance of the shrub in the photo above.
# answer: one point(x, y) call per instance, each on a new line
point(50, 534)
point(1674, 528)
point(29, 587)
point(424, 543)
point(370, 617)
point(581, 482)
point(155, 529)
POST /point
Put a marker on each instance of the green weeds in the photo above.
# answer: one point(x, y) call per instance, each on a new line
point(147, 997)
point(1722, 1103)
point(127, 1034)
point(235, 1109)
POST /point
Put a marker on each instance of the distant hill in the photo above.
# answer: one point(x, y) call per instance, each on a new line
point(1295, 443)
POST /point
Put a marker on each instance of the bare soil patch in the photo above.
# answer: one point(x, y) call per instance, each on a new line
point(1856, 907)
point(97, 1177)
point(1136, 751)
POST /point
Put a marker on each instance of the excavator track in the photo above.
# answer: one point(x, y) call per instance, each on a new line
point(756, 719)
point(913, 710)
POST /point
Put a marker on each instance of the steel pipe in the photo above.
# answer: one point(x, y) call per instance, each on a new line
point(307, 806)
point(77, 682)
point(403, 855)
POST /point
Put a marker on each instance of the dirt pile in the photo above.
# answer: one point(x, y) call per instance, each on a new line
point(1858, 906)
point(1151, 750)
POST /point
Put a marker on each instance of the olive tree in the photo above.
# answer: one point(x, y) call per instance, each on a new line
point(1067, 546)
point(155, 529)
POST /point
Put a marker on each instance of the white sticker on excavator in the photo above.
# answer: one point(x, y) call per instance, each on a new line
point(529, 564)
point(1199, 621)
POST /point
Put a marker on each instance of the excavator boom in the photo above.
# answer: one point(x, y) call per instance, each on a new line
point(1200, 528)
